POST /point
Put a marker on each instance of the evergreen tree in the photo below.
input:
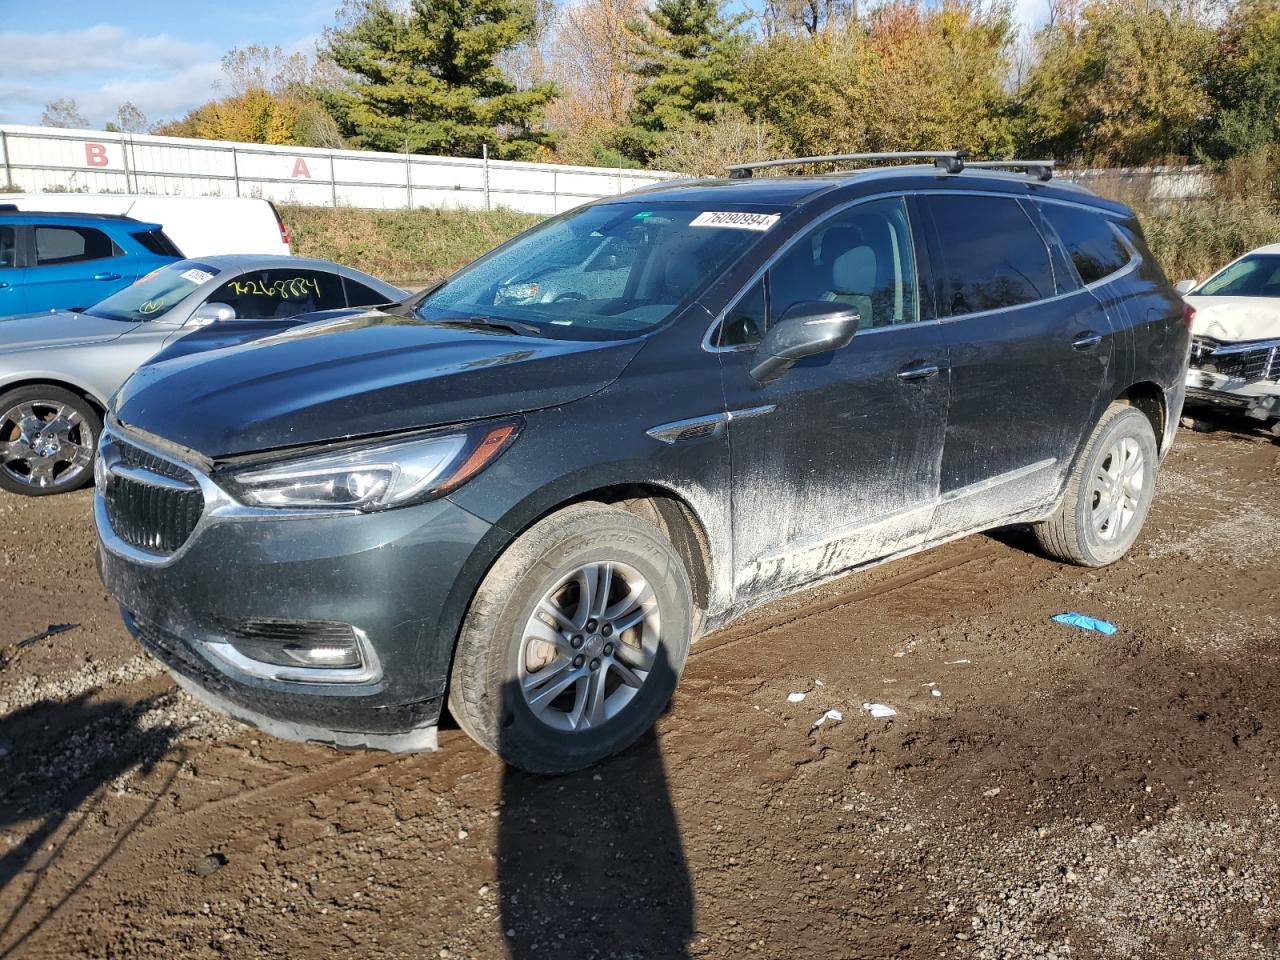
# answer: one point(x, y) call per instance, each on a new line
point(688, 65)
point(427, 79)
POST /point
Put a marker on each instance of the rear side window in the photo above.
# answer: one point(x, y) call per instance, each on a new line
point(1092, 244)
point(358, 295)
point(992, 256)
point(8, 247)
point(157, 242)
point(55, 245)
point(280, 294)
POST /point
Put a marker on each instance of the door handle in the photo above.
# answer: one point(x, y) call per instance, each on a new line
point(922, 372)
point(1087, 340)
point(3, 285)
point(106, 276)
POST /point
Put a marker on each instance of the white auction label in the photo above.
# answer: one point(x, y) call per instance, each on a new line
point(738, 221)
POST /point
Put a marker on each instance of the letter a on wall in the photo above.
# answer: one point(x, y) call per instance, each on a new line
point(95, 154)
point(300, 168)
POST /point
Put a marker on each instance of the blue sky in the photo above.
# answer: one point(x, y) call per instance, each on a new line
point(164, 58)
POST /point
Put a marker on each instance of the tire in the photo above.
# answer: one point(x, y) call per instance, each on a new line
point(1088, 529)
point(48, 437)
point(504, 650)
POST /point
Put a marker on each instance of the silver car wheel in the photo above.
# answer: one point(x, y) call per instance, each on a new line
point(589, 646)
point(1116, 490)
point(44, 443)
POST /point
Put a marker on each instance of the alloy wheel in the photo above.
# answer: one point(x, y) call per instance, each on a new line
point(44, 443)
point(1117, 489)
point(589, 646)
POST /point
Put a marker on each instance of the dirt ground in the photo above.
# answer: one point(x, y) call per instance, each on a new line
point(1041, 792)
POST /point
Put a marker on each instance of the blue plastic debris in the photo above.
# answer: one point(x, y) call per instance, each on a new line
point(1085, 623)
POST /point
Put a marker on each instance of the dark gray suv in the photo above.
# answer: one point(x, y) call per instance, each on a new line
point(529, 505)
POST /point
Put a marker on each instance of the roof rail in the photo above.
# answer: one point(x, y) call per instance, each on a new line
point(949, 161)
point(1040, 169)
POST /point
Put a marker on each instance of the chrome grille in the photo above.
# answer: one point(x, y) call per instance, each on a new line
point(152, 504)
point(1240, 361)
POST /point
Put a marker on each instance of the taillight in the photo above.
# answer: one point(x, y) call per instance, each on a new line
point(1188, 314)
point(284, 232)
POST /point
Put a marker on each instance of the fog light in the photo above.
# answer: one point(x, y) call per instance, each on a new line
point(307, 645)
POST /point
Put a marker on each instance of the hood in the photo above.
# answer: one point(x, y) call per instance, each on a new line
point(355, 376)
point(60, 328)
point(232, 333)
point(1235, 319)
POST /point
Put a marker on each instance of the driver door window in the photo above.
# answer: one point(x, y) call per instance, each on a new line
point(862, 257)
point(280, 294)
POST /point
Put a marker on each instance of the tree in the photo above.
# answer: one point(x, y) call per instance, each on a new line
point(63, 113)
point(704, 148)
point(912, 75)
point(596, 59)
point(1244, 81)
point(272, 97)
point(427, 79)
point(1123, 83)
point(129, 119)
point(689, 59)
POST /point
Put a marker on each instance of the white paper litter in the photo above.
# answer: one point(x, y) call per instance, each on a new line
point(936, 692)
point(794, 697)
point(819, 683)
point(834, 715)
point(952, 663)
point(879, 710)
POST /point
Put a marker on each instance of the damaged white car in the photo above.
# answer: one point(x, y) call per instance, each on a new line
point(1235, 347)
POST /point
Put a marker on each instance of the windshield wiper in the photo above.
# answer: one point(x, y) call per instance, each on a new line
point(497, 323)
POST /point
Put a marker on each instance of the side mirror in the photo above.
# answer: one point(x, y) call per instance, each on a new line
point(212, 312)
point(807, 328)
point(1184, 286)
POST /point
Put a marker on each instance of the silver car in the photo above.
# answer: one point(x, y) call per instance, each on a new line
point(58, 369)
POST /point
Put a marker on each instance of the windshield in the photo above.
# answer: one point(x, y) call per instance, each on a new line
point(155, 294)
point(1254, 276)
point(607, 272)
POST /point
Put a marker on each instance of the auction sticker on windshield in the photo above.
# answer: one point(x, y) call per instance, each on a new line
point(196, 275)
point(737, 221)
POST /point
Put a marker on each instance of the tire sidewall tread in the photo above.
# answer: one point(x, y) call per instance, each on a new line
point(1068, 534)
point(482, 695)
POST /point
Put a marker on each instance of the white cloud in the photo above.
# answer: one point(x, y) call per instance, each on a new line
point(100, 68)
point(101, 47)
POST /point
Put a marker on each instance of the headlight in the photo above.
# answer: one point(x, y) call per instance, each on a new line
point(375, 477)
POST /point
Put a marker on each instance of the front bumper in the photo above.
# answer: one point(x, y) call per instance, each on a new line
point(1256, 398)
point(392, 575)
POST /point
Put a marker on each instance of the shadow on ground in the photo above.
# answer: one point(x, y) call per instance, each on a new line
point(591, 864)
point(62, 755)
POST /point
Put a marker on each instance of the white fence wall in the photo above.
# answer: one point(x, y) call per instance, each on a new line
point(39, 159)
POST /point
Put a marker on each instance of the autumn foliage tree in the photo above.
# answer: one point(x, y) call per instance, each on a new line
point(1121, 82)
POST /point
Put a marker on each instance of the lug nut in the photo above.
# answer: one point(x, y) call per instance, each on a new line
point(595, 663)
point(576, 642)
point(577, 661)
point(591, 625)
point(608, 649)
point(608, 630)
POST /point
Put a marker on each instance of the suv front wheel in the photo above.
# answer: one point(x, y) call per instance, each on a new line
point(574, 642)
point(1108, 493)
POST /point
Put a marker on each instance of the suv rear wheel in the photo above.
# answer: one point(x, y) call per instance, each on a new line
point(47, 440)
point(573, 643)
point(1108, 494)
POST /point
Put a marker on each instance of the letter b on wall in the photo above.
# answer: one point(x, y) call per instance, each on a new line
point(95, 154)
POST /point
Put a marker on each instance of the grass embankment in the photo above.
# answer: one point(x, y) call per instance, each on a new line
point(407, 247)
point(1202, 236)
point(416, 247)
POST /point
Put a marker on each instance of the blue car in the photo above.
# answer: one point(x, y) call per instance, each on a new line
point(65, 261)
